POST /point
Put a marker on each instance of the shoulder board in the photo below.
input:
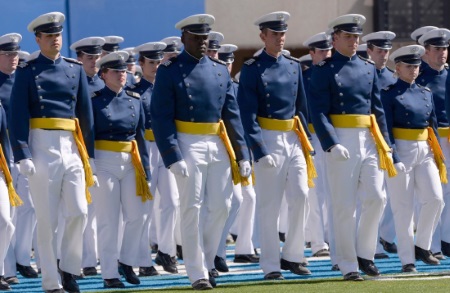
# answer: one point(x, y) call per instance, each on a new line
point(390, 69)
point(235, 80)
point(251, 60)
point(424, 87)
point(323, 62)
point(446, 65)
point(217, 60)
point(95, 94)
point(292, 58)
point(133, 94)
point(71, 60)
point(134, 86)
point(388, 87)
point(170, 61)
point(365, 59)
point(23, 64)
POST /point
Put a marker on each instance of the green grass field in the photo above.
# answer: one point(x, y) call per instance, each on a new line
point(438, 284)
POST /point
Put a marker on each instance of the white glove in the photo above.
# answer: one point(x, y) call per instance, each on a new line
point(96, 184)
point(179, 168)
point(267, 162)
point(149, 185)
point(400, 167)
point(26, 167)
point(245, 168)
point(340, 153)
point(94, 172)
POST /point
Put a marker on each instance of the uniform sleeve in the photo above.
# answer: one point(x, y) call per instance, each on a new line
point(248, 104)
point(142, 144)
point(388, 105)
point(447, 97)
point(20, 115)
point(301, 103)
point(320, 105)
point(4, 139)
point(84, 113)
point(232, 119)
point(162, 110)
point(377, 107)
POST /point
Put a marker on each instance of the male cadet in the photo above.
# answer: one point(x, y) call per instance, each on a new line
point(434, 76)
point(319, 48)
point(112, 45)
point(162, 211)
point(131, 61)
point(273, 108)
point(193, 107)
point(23, 217)
point(347, 115)
point(214, 40)
point(88, 52)
point(48, 94)
point(378, 46)
point(416, 34)
point(172, 49)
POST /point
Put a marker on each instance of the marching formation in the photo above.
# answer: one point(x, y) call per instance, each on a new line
point(107, 158)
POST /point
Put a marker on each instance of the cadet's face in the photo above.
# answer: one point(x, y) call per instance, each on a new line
point(8, 61)
point(50, 44)
point(436, 56)
point(131, 68)
point(89, 64)
point(319, 55)
point(346, 43)
point(273, 41)
point(196, 45)
point(379, 56)
point(407, 72)
point(115, 79)
point(149, 68)
point(213, 53)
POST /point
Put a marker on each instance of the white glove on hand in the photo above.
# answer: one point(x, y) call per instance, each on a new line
point(245, 168)
point(400, 167)
point(94, 172)
point(26, 167)
point(267, 162)
point(340, 153)
point(179, 168)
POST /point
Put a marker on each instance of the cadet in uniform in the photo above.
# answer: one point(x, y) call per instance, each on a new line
point(192, 94)
point(123, 171)
point(88, 52)
point(49, 93)
point(214, 40)
point(346, 114)
point(433, 77)
point(411, 122)
point(112, 45)
point(273, 108)
point(172, 49)
point(378, 46)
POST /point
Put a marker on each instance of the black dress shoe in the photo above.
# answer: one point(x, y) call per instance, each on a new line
point(246, 258)
point(389, 247)
point(164, 260)
point(26, 271)
point(148, 271)
point(322, 253)
point(234, 236)
point(353, 276)
point(212, 280)
point(335, 268)
point(220, 264)
point(308, 244)
point(295, 268)
point(13, 280)
point(90, 271)
point(154, 248)
point(214, 273)
point(256, 251)
point(274, 276)
point(409, 268)
point(113, 283)
point(381, 255)
point(4, 286)
point(426, 256)
point(368, 267)
point(128, 273)
point(180, 252)
point(68, 282)
point(445, 248)
point(439, 255)
point(282, 236)
point(202, 284)
point(55, 291)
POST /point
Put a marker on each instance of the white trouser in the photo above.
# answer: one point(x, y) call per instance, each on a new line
point(442, 232)
point(288, 178)
point(236, 202)
point(421, 182)
point(361, 170)
point(117, 192)
point(6, 224)
point(209, 184)
point(59, 179)
point(283, 218)
point(90, 254)
point(316, 200)
point(25, 222)
point(245, 220)
point(386, 229)
point(164, 182)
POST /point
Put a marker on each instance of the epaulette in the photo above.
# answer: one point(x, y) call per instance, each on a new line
point(95, 94)
point(170, 61)
point(388, 87)
point(365, 59)
point(133, 86)
point(424, 87)
point(133, 94)
point(235, 80)
point(71, 60)
point(446, 65)
point(217, 60)
point(292, 58)
point(390, 69)
point(251, 60)
point(323, 62)
point(23, 64)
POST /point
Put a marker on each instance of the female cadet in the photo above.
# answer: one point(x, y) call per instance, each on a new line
point(411, 123)
point(123, 173)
